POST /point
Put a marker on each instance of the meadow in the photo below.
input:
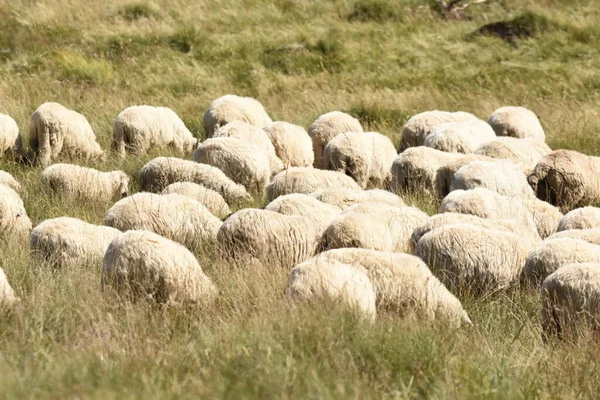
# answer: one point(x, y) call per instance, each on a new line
point(381, 61)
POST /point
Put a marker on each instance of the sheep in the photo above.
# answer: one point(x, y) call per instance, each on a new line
point(268, 239)
point(591, 235)
point(445, 173)
point(138, 129)
point(472, 259)
point(70, 181)
point(364, 156)
point(570, 303)
point(292, 144)
point(305, 206)
point(517, 122)
point(344, 198)
point(55, 130)
point(13, 216)
point(333, 282)
point(420, 125)
point(142, 264)
point(546, 216)
point(10, 181)
point(526, 151)
point(8, 299)
point(160, 172)
point(328, 126)
point(374, 226)
point(307, 180)
point(580, 218)
point(254, 136)
point(209, 198)
point(554, 253)
point(231, 108)
point(460, 137)
point(403, 284)
point(173, 216)
point(9, 134)
point(239, 160)
point(501, 176)
point(567, 179)
point(69, 242)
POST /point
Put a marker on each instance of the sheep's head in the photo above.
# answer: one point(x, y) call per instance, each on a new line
point(122, 183)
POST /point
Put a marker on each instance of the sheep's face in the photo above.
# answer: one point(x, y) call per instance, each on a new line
point(123, 184)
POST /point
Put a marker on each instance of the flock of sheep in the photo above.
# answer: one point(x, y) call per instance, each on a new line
point(512, 211)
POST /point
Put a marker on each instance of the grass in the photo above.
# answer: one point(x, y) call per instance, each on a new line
point(380, 61)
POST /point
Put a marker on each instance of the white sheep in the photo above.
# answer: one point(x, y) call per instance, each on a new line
point(71, 181)
point(420, 125)
point(526, 151)
point(231, 108)
point(173, 216)
point(138, 129)
point(8, 299)
point(209, 198)
point(445, 172)
point(55, 130)
point(9, 134)
point(517, 122)
point(344, 198)
point(142, 264)
point(305, 206)
point(460, 137)
point(292, 144)
point(10, 181)
point(70, 242)
point(328, 126)
point(13, 216)
point(591, 235)
point(501, 176)
point(580, 218)
point(545, 216)
point(307, 180)
point(160, 172)
point(365, 156)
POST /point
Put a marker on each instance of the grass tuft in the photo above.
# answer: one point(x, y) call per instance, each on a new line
point(73, 66)
point(137, 11)
point(377, 11)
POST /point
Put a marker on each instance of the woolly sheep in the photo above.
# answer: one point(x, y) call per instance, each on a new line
point(554, 253)
point(305, 206)
point(420, 125)
point(344, 198)
point(581, 218)
point(517, 122)
point(55, 130)
point(571, 301)
point(160, 172)
point(472, 259)
point(460, 137)
point(267, 238)
point(239, 160)
point(141, 128)
point(567, 179)
point(501, 176)
point(307, 180)
point(142, 264)
point(173, 216)
point(209, 198)
point(545, 216)
point(75, 182)
point(65, 242)
point(10, 181)
point(13, 216)
point(333, 282)
point(292, 144)
point(364, 156)
point(375, 226)
point(9, 133)
point(445, 173)
point(328, 126)
point(589, 235)
point(8, 299)
point(231, 108)
point(403, 284)
point(526, 151)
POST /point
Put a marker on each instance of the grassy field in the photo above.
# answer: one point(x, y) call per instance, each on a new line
point(381, 61)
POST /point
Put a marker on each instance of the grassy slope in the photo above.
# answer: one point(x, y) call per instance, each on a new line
point(391, 61)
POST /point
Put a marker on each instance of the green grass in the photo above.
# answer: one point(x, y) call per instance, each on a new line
point(380, 61)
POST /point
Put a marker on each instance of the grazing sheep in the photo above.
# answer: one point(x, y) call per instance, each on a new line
point(74, 182)
point(328, 126)
point(159, 173)
point(403, 284)
point(589, 235)
point(55, 130)
point(8, 299)
point(307, 180)
point(142, 264)
point(9, 134)
point(267, 238)
point(581, 218)
point(554, 253)
point(305, 206)
point(292, 144)
point(10, 181)
point(517, 122)
point(375, 226)
point(141, 128)
point(471, 259)
point(545, 216)
point(364, 156)
point(13, 216)
point(460, 137)
point(173, 216)
point(501, 176)
point(526, 151)
point(231, 108)
point(571, 301)
point(567, 179)
point(344, 198)
point(333, 282)
point(420, 125)
point(445, 173)
point(70, 242)
point(239, 160)
point(209, 198)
